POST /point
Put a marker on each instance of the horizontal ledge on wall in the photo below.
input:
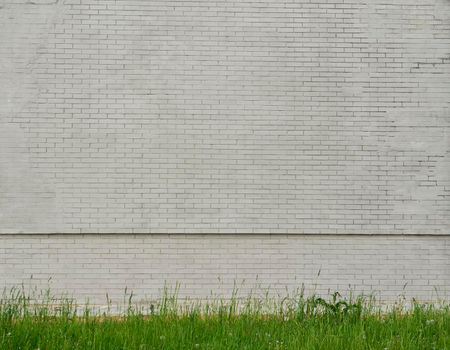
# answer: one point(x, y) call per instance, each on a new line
point(246, 234)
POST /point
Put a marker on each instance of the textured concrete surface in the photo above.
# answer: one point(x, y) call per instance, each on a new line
point(88, 267)
point(227, 117)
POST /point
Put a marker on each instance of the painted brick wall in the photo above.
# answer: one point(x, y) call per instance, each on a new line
point(91, 266)
point(237, 116)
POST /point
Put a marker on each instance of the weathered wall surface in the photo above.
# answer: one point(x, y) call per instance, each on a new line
point(239, 116)
point(91, 266)
point(225, 116)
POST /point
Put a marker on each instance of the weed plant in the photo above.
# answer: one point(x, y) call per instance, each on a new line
point(297, 322)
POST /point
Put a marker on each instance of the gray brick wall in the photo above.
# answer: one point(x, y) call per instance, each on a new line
point(321, 117)
point(89, 266)
point(260, 116)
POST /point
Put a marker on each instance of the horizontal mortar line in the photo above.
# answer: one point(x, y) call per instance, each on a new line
point(372, 235)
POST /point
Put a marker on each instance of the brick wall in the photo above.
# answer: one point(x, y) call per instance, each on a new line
point(324, 119)
point(229, 116)
point(88, 267)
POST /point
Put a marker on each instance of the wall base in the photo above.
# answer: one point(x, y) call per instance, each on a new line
point(89, 266)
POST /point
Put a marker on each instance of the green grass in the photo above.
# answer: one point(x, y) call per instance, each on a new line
point(292, 323)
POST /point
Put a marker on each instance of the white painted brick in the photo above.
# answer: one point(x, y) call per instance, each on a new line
point(204, 264)
point(262, 117)
point(239, 116)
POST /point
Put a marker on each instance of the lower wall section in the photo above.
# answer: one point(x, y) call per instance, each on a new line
point(88, 267)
